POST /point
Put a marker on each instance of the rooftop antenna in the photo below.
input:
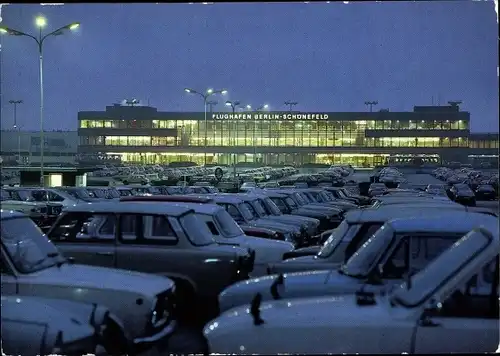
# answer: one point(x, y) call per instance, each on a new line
point(455, 103)
point(370, 104)
point(131, 102)
point(290, 104)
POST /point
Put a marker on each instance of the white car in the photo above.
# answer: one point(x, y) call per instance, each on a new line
point(33, 266)
point(41, 326)
point(226, 231)
point(400, 246)
point(439, 310)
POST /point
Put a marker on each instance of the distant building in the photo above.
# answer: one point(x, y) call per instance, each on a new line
point(142, 134)
point(60, 146)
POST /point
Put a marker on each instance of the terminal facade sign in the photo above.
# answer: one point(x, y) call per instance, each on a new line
point(270, 116)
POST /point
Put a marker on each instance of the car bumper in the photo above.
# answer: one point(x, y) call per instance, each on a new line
point(144, 343)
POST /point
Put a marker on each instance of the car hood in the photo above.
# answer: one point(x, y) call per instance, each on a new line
point(266, 250)
point(274, 225)
point(302, 263)
point(299, 283)
point(315, 214)
point(92, 277)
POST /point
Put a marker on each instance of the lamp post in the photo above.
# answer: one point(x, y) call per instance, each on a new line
point(371, 104)
point(17, 128)
point(234, 105)
point(40, 22)
point(290, 105)
point(207, 94)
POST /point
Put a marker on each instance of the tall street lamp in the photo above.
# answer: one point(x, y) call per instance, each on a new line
point(234, 105)
point(371, 104)
point(291, 104)
point(17, 128)
point(259, 109)
point(207, 94)
point(40, 22)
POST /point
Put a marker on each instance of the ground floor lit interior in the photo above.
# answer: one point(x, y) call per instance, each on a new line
point(356, 160)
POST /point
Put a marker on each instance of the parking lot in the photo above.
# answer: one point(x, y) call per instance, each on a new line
point(221, 270)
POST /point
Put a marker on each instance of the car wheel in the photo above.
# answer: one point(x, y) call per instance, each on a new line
point(185, 302)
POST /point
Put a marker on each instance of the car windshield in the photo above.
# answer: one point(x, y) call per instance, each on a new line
point(227, 224)
point(366, 257)
point(245, 212)
point(125, 192)
point(334, 240)
point(113, 193)
point(252, 211)
point(30, 195)
point(196, 230)
point(259, 208)
point(272, 206)
point(291, 203)
point(28, 248)
point(96, 193)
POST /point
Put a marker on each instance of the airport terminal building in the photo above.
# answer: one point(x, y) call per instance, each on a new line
point(142, 134)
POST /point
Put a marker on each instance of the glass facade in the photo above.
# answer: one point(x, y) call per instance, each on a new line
point(244, 133)
point(159, 138)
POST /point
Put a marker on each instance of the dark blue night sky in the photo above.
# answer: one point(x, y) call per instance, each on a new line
point(328, 57)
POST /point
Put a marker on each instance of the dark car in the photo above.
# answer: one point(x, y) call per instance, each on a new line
point(485, 192)
point(461, 193)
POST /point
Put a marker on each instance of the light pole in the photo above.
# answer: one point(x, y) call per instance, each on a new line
point(17, 128)
point(40, 22)
point(205, 97)
point(290, 105)
point(234, 105)
point(371, 104)
point(259, 109)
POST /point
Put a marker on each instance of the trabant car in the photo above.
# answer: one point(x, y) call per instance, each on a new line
point(241, 213)
point(33, 266)
point(320, 197)
point(400, 247)
point(352, 233)
point(287, 205)
point(34, 326)
point(163, 239)
point(225, 230)
point(439, 310)
point(271, 209)
point(301, 199)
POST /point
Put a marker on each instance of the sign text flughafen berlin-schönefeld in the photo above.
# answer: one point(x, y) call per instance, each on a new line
point(270, 116)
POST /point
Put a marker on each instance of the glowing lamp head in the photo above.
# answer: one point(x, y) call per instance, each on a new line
point(40, 21)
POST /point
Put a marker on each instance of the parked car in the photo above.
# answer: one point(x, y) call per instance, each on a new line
point(288, 206)
point(32, 203)
point(33, 266)
point(377, 189)
point(461, 193)
point(399, 247)
point(243, 213)
point(34, 326)
point(163, 239)
point(485, 192)
point(451, 306)
point(436, 189)
point(225, 230)
point(271, 209)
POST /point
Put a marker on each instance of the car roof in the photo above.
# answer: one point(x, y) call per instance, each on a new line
point(462, 222)
point(129, 208)
point(272, 194)
point(246, 197)
point(168, 198)
point(7, 214)
point(228, 199)
point(384, 213)
point(199, 208)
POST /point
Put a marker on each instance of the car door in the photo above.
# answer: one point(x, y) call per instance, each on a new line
point(88, 238)
point(468, 320)
point(8, 279)
point(148, 243)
